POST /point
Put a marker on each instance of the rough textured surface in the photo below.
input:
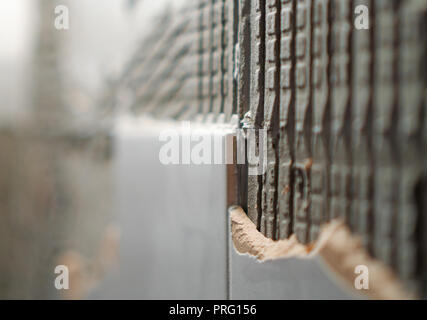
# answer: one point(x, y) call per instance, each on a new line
point(256, 112)
point(247, 239)
point(284, 223)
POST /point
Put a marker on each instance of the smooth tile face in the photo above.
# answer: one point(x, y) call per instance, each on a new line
point(291, 278)
point(173, 224)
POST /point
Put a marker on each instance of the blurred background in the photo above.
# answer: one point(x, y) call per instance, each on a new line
point(56, 121)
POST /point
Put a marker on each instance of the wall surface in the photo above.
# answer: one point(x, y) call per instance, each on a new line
point(173, 224)
point(174, 234)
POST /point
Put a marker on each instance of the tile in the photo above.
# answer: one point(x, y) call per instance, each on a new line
point(173, 224)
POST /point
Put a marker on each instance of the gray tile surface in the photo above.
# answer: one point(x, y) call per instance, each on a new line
point(290, 278)
point(173, 222)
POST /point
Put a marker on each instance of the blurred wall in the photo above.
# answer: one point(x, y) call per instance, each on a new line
point(56, 188)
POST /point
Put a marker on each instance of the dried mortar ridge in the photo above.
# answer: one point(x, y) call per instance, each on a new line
point(338, 248)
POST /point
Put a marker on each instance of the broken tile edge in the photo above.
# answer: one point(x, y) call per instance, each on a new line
point(339, 251)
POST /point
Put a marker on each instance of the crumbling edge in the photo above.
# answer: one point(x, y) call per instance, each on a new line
point(338, 249)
